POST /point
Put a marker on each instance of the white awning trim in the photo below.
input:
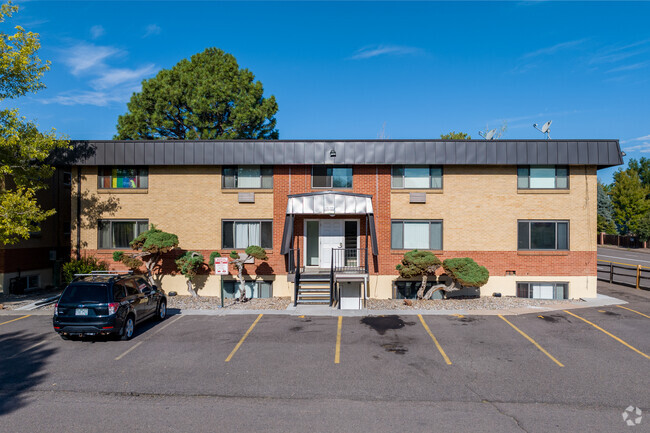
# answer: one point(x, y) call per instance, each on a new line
point(329, 204)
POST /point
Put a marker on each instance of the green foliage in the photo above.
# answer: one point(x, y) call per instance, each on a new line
point(605, 226)
point(257, 252)
point(453, 135)
point(605, 207)
point(24, 150)
point(127, 260)
point(234, 255)
point(466, 272)
point(643, 168)
point(643, 228)
point(629, 198)
point(418, 263)
point(155, 241)
point(85, 265)
point(189, 264)
point(213, 254)
point(206, 97)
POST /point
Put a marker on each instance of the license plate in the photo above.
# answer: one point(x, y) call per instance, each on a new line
point(81, 312)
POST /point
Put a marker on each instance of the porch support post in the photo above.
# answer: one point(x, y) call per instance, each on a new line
point(373, 234)
point(287, 234)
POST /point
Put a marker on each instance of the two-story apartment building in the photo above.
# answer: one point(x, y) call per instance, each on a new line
point(341, 214)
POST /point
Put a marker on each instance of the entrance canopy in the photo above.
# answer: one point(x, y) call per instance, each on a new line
point(327, 203)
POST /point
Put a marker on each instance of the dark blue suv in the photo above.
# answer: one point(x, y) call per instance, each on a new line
point(107, 303)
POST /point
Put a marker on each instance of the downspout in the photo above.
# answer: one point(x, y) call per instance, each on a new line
point(78, 213)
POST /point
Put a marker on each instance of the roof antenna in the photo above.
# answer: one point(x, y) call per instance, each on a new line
point(546, 128)
point(488, 135)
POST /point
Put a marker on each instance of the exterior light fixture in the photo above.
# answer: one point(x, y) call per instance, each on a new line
point(332, 153)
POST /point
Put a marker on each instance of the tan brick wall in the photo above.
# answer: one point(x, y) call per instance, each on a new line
point(480, 206)
point(187, 201)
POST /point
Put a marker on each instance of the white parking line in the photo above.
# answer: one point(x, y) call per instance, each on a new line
point(148, 337)
point(625, 259)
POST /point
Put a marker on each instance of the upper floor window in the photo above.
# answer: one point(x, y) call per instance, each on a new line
point(247, 176)
point(410, 235)
point(123, 178)
point(240, 234)
point(543, 177)
point(114, 234)
point(543, 235)
point(417, 177)
point(328, 176)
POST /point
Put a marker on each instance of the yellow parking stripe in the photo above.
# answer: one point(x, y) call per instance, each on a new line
point(610, 334)
point(243, 338)
point(634, 311)
point(532, 341)
point(435, 341)
point(337, 350)
point(9, 321)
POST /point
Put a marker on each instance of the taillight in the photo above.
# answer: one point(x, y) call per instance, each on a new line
point(112, 307)
point(56, 309)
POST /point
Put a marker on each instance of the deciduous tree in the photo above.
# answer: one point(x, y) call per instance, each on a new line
point(629, 200)
point(206, 97)
point(453, 135)
point(24, 150)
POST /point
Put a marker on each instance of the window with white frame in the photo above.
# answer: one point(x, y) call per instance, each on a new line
point(29, 281)
point(542, 235)
point(118, 234)
point(421, 235)
point(247, 176)
point(542, 290)
point(240, 234)
point(123, 178)
point(416, 177)
point(328, 176)
point(543, 177)
point(254, 289)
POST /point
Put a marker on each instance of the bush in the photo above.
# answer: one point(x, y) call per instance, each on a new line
point(213, 254)
point(466, 272)
point(189, 264)
point(418, 263)
point(257, 252)
point(85, 265)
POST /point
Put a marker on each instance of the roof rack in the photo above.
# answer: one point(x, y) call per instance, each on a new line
point(109, 274)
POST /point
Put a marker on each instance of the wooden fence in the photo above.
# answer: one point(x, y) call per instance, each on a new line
point(621, 241)
point(623, 273)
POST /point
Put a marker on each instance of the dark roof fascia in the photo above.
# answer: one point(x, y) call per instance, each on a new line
point(600, 153)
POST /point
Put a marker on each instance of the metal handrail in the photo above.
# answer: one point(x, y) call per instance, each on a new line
point(296, 270)
point(350, 260)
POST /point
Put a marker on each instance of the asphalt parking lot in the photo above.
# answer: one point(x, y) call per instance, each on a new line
point(559, 371)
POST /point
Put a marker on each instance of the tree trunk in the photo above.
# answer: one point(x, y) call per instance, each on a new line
point(432, 290)
point(190, 288)
point(423, 286)
point(242, 283)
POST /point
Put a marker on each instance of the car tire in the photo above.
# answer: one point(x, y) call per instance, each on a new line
point(161, 311)
point(129, 328)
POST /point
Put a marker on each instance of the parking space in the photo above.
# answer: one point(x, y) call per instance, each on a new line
point(580, 357)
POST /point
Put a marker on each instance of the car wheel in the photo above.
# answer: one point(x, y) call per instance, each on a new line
point(129, 328)
point(161, 312)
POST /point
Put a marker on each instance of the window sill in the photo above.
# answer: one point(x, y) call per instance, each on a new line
point(543, 253)
point(402, 252)
point(425, 190)
point(255, 190)
point(122, 191)
point(543, 191)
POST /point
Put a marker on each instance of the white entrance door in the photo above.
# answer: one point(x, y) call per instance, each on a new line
point(331, 236)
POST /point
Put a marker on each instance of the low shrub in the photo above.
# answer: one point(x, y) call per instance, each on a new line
point(85, 265)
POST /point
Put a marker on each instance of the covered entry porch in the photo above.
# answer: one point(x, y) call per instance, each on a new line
point(329, 238)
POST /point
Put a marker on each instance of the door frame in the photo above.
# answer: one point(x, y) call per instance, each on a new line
point(304, 235)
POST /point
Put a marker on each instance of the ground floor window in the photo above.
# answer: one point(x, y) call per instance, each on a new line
point(254, 289)
point(27, 282)
point(409, 289)
point(242, 234)
point(114, 234)
point(410, 235)
point(543, 290)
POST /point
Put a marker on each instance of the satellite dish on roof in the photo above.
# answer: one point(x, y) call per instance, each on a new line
point(546, 128)
point(488, 135)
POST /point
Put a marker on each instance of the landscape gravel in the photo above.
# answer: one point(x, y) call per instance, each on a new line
point(214, 302)
point(484, 303)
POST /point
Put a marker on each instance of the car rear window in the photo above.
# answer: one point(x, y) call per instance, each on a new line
point(84, 293)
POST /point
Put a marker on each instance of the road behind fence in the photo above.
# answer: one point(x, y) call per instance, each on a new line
point(623, 273)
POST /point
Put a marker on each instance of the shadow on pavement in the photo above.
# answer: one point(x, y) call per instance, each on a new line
point(21, 368)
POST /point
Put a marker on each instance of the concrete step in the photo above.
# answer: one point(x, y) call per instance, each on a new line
point(314, 301)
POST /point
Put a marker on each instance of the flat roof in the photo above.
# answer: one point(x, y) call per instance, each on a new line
point(601, 153)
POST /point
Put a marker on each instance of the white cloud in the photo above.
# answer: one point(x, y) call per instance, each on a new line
point(151, 30)
point(114, 77)
point(97, 31)
point(105, 84)
point(645, 137)
point(86, 57)
point(380, 50)
point(631, 67)
point(553, 49)
point(643, 148)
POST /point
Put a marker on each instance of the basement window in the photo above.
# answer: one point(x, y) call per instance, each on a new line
point(543, 290)
point(254, 289)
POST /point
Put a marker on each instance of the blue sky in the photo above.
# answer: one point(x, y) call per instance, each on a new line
point(344, 69)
